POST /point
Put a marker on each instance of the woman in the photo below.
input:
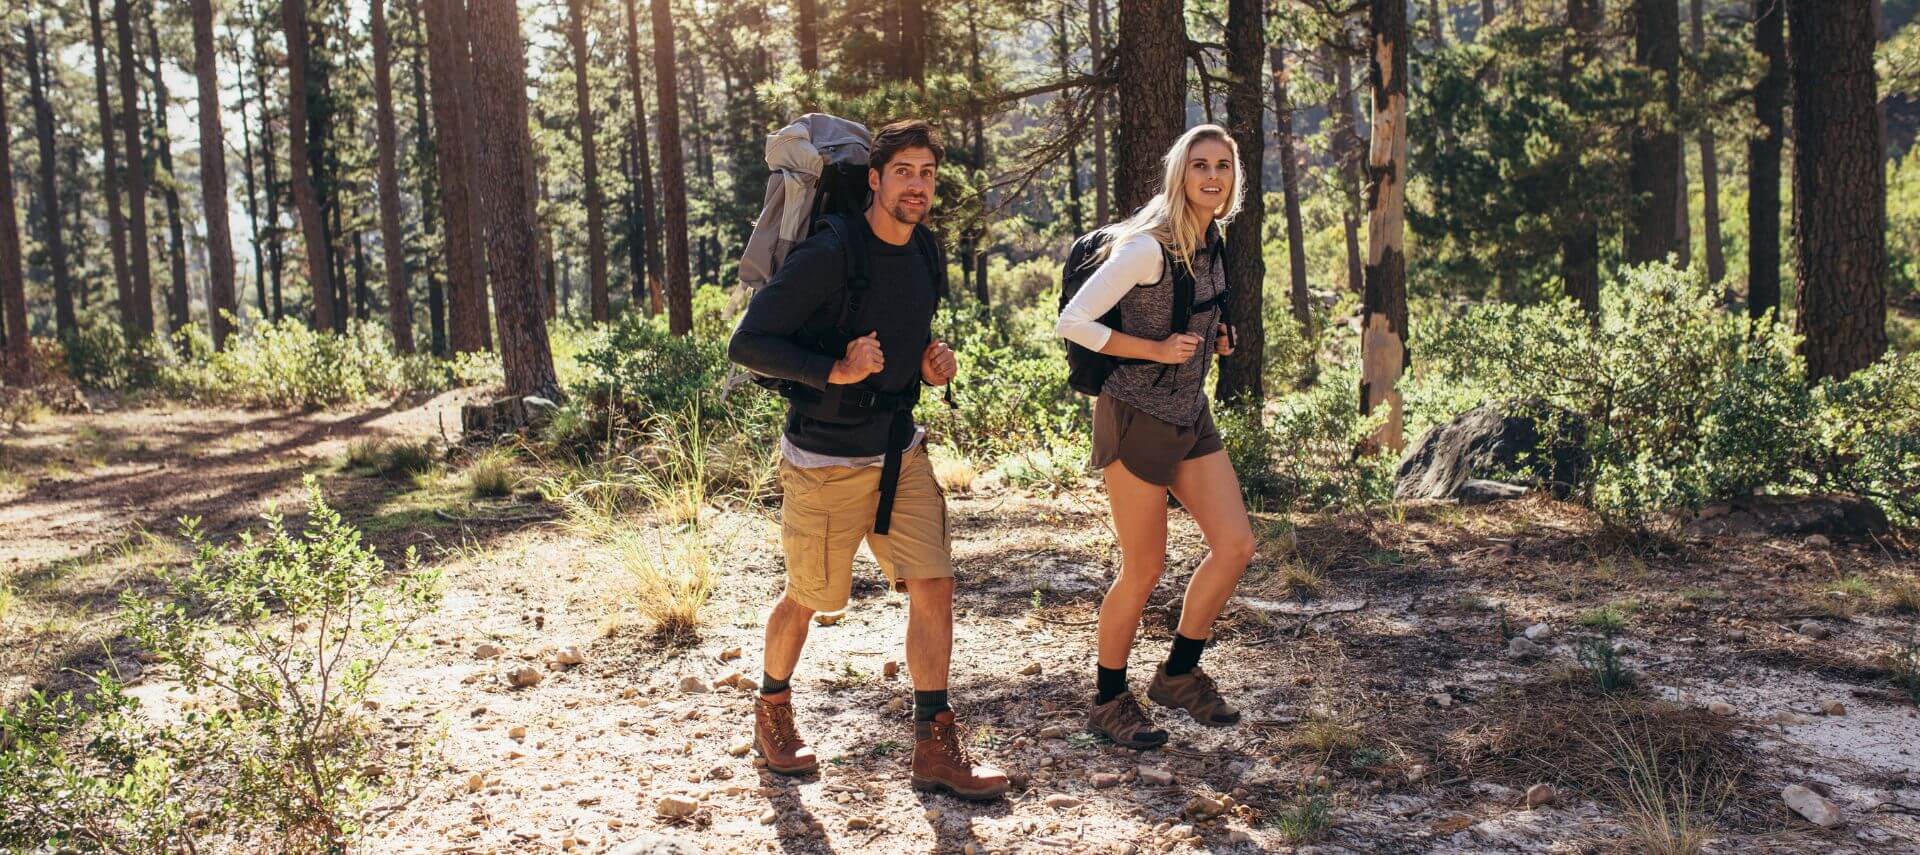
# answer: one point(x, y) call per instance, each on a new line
point(1153, 431)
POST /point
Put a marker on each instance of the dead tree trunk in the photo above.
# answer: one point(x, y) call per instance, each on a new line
point(1384, 355)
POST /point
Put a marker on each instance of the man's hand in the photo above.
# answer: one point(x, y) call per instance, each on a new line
point(862, 360)
point(938, 364)
point(1223, 342)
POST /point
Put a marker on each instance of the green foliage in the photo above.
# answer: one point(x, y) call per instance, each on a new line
point(278, 641)
point(638, 367)
point(102, 356)
point(1903, 209)
point(1012, 390)
point(390, 458)
point(1301, 453)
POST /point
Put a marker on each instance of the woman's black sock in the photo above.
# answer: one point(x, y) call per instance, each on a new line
point(1112, 684)
point(926, 705)
point(771, 686)
point(1185, 655)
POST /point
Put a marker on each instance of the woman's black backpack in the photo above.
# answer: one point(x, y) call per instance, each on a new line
point(1088, 369)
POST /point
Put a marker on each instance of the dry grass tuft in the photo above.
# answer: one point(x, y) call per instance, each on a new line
point(666, 577)
point(954, 471)
point(492, 474)
point(1903, 595)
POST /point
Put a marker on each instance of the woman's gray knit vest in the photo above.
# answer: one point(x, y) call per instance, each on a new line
point(1174, 394)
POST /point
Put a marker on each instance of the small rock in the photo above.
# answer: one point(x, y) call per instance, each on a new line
point(1540, 794)
point(747, 685)
point(732, 679)
point(1833, 707)
point(1819, 541)
point(825, 619)
point(1416, 771)
point(890, 669)
point(525, 676)
point(1814, 629)
point(1155, 777)
point(1104, 780)
point(629, 693)
point(1521, 647)
point(1539, 632)
point(730, 654)
point(1180, 832)
point(487, 651)
point(1053, 731)
point(677, 806)
point(933, 814)
point(567, 657)
point(517, 732)
point(1062, 800)
point(693, 685)
point(1203, 807)
point(719, 773)
point(1032, 669)
point(1720, 708)
point(1813, 806)
point(1441, 700)
point(740, 749)
point(769, 816)
point(859, 823)
point(1238, 836)
point(475, 782)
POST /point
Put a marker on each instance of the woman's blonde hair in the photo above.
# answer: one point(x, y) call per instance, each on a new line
point(1166, 216)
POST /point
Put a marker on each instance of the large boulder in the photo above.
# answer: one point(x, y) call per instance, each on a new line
point(1468, 458)
point(1831, 515)
point(504, 416)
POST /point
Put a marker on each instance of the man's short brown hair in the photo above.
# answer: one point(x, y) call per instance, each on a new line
point(902, 135)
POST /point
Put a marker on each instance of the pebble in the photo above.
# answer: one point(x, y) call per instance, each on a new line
point(517, 732)
point(677, 806)
point(487, 651)
point(1153, 777)
point(1104, 780)
point(1053, 731)
point(1720, 708)
point(1203, 807)
point(1441, 700)
point(1062, 800)
point(693, 685)
point(859, 823)
point(475, 782)
point(890, 669)
point(1180, 832)
point(1815, 807)
point(1032, 669)
point(1819, 541)
point(567, 657)
point(1814, 629)
point(933, 814)
point(826, 619)
point(769, 816)
point(525, 676)
point(740, 749)
point(1833, 707)
point(1239, 835)
point(730, 654)
point(1539, 632)
point(1521, 646)
point(1541, 794)
point(732, 679)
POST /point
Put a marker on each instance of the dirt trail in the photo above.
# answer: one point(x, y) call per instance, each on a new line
point(1374, 692)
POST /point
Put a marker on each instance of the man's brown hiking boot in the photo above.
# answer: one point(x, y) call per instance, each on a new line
point(940, 762)
point(775, 738)
point(1123, 721)
point(1194, 692)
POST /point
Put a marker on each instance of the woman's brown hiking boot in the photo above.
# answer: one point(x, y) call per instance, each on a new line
point(1123, 721)
point(940, 762)
point(776, 740)
point(1194, 692)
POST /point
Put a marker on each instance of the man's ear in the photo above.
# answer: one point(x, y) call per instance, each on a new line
point(873, 179)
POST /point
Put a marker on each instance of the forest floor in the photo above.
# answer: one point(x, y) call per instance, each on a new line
point(1387, 707)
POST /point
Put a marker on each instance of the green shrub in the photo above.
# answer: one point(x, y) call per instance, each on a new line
point(1011, 391)
point(102, 356)
point(491, 474)
point(1302, 453)
point(390, 458)
point(638, 368)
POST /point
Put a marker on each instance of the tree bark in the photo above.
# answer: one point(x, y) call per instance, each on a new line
point(253, 185)
point(276, 249)
point(139, 317)
point(1242, 378)
point(392, 243)
point(1763, 160)
point(506, 167)
point(13, 282)
point(1654, 154)
point(109, 158)
point(1297, 293)
point(1839, 187)
point(913, 41)
point(1709, 171)
point(1063, 46)
point(1347, 152)
point(428, 187)
point(1384, 355)
point(673, 176)
point(1580, 241)
point(222, 310)
point(1152, 72)
point(807, 31)
point(53, 241)
point(1097, 55)
point(647, 265)
point(313, 230)
point(597, 299)
point(461, 197)
point(179, 301)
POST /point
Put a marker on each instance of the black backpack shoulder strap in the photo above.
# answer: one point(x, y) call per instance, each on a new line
point(1183, 286)
point(936, 258)
point(853, 241)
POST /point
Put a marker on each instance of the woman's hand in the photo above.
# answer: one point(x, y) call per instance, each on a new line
point(1176, 349)
point(1223, 341)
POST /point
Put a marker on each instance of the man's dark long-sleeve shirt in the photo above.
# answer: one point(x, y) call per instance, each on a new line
point(789, 332)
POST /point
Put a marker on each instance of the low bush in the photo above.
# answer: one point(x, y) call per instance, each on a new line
point(1301, 453)
point(1011, 393)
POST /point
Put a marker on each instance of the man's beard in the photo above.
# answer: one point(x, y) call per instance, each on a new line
point(900, 212)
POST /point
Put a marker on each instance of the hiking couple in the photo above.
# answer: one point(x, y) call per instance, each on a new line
point(842, 327)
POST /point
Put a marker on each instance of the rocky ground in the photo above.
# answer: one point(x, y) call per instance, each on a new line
point(1411, 678)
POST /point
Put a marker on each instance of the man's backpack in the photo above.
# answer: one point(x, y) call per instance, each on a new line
point(1088, 369)
point(816, 166)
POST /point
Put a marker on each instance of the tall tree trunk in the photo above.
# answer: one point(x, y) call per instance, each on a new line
point(461, 195)
point(13, 282)
point(806, 30)
point(1152, 73)
point(109, 158)
point(1241, 374)
point(673, 175)
point(597, 300)
point(647, 263)
point(1297, 293)
point(506, 166)
point(1063, 49)
point(913, 41)
point(428, 187)
point(140, 292)
point(1384, 354)
point(1097, 55)
point(1839, 187)
point(1763, 160)
point(1439, 24)
point(1580, 242)
point(306, 200)
point(361, 298)
point(1348, 152)
point(1487, 15)
point(392, 243)
point(178, 300)
point(973, 262)
point(269, 161)
point(53, 241)
point(1654, 154)
point(1709, 171)
point(222, 309)
point(253, 186)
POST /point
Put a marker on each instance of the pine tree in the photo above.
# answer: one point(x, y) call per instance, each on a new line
point(1241, 374)
point(392, 243)
point(673, 180)
point(221, 306)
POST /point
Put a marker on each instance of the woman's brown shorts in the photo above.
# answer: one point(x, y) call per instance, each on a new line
point(1149, 447)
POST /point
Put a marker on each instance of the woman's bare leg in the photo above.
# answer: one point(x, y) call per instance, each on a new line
point(1140, 520)
point(1209, 490)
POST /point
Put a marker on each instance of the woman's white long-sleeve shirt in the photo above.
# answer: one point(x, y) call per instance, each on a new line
point(1136, 261)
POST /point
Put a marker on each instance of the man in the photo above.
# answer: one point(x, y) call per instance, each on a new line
point(853, 464)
